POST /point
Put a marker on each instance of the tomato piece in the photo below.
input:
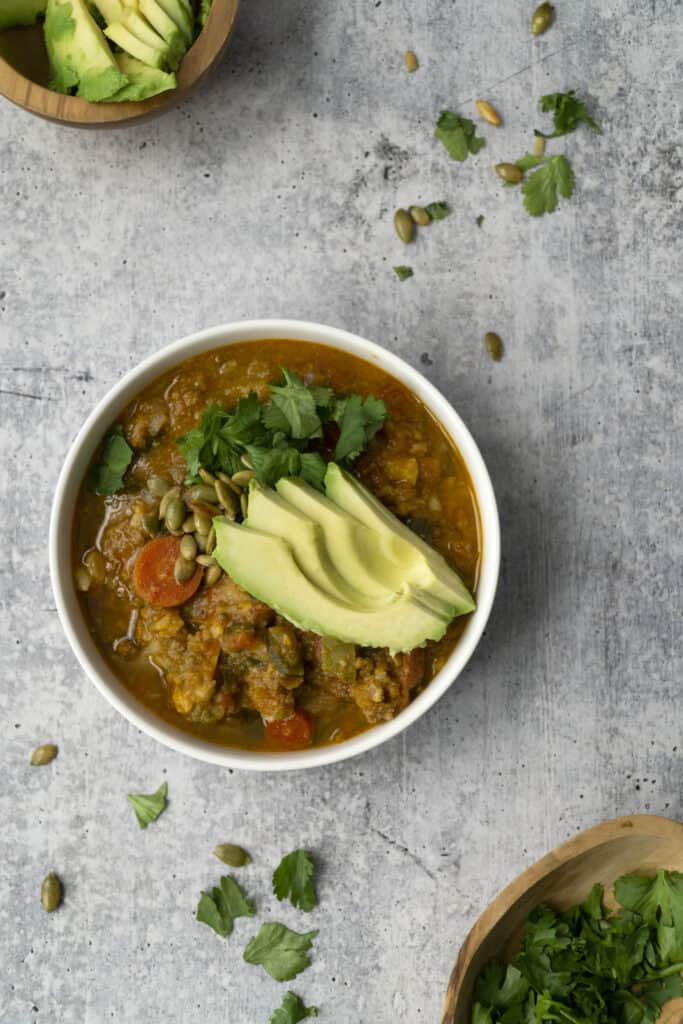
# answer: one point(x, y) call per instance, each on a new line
point(153, 576)
point(295, 732)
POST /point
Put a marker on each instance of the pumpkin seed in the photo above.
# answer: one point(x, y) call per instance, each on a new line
point(188, 547)
point(150, 524)
point(175, 514)
point(403, 223)
point(246, 461)
point(202, 492)
point(542, 18)
point(410, 61)
point(206, 560)
point(212, 575)
point(419, 215)
point(488, 112)
point(95, 564)
point(233, 856)
point(538, 147)
point(207, 477)
point(509, 172)
point(166, 500)
point(243, 477)
point(228, 481)
point(83, 578)
point(188, 525)
point(43, 754)
point(201, 540)
point(244, 506)
point(202, 523)
point(51, 892)
point(211, 541)
point(494, 346)
point(227, 498)
point(157, 486)
point(183, 570)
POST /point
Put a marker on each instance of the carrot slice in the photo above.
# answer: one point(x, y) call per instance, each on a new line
point(153, 577)
point(295, 731)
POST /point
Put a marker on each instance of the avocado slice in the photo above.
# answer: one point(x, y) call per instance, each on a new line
point(14, 13)
point(79, 55)
point(271, 513)
point(143, 81)
point(111, 10)
point(166, 27)
point(422, 566)
point(265, 566)
point(181, 14)
point(121, 34)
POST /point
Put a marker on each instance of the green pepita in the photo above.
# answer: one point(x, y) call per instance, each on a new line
point(488, 112)
point(212, 575)
point(206, 560)
point(419, 216)
point(410, 61)
point(243, 477)
point(51, 892)
point(246, 461)
point(510, 173)
point(83, 578)
point(95, 564)
point(202, 523)
point(183, 570)
point(494, 345)
point(157, 486)
point(403, 223)
point(150, 524)
point(227, 499)
point(166, 501)
point(45, 753)
point(233, 856)
point(538, 146)
point(202, 492)
point(211, 541)
point(207, 477)
point(201, 539)
point(188, 525)
point(175, 514)
point(188, 547)
point(542, 19)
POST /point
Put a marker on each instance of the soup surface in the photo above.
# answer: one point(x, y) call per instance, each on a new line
point(211, 665)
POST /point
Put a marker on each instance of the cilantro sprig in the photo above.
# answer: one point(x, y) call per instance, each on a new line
point(553, 176)
point(586, 966)
point(280, 436)
point(568, 112)
point(280, 951)
point(293, 878)
point(219, 908)
point(117, 455)
point(292, 1010)
point(148, 806)
point(458, 135)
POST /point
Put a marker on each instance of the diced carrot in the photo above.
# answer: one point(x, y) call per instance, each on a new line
point(294, 732)
point(153, 576)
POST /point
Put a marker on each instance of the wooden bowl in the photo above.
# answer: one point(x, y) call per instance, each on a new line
point(24, 74)
point(563, 878)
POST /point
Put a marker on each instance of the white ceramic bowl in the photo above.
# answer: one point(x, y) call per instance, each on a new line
point(77, 462)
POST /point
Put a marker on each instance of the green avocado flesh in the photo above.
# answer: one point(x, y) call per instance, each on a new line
point(143, 81)
point(326, 571)
point(14, 13)
point(80, 58)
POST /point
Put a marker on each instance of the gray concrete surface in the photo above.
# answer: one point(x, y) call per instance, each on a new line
point(270, 193)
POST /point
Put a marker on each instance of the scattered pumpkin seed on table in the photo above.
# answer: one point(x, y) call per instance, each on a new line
point(419, 216)
point(233, 856)
point(403, 223)
point(542, 19)
point(410, 61)
point(538, 146)
point(510, 173)
point(494, 345)
point(51, 892)
point(45, 753)
point(488, 112)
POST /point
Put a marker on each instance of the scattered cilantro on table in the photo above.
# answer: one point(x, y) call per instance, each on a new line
point(148, 806)
point(292, 1011)
point(277, 435)
point(587, 966)
point(458, 135)
point(403, 273)
point(222, 905)
point(116, 458)
point(567, 113)
point(293, 878)
point(438, 210)
point(280, 951)
point(553, 175)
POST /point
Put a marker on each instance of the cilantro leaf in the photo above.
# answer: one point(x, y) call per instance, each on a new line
point(359, 420)
point(541, 188)
point(116, 458)
point(209, 445)
point(567, 113)
point(222, 905)
point(403, 273)
point(269, 464)
point(280, 951)
point(501, 987)
point(479, 219)
point(149, 806)
point(437, 211)
point(312, 469)
point(297, 404)
point(293, 878)
point(292, 1011)
point(458, 135)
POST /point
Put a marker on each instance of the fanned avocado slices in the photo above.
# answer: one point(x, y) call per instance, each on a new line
point(80, 59)
point(143, 81)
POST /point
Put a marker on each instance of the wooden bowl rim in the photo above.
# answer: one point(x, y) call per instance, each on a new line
point(588, 839)
point(202, 56)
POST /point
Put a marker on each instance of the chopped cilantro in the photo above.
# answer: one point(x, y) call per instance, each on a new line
point(116, 458)
point(280, 951)
point(458, 134)
point(567, 113)
point(293, 878)
point(222, 905)
point(297, 406)
point(587, 966)
point(148, 806)
point(437, 211)
point(292, 1011)
point(402, 272)
point(553, 175)
point(480, 220)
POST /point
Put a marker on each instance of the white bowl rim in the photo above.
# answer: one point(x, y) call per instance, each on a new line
point(80, 453)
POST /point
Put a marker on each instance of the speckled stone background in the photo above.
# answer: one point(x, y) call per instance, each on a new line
point(271, 193)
